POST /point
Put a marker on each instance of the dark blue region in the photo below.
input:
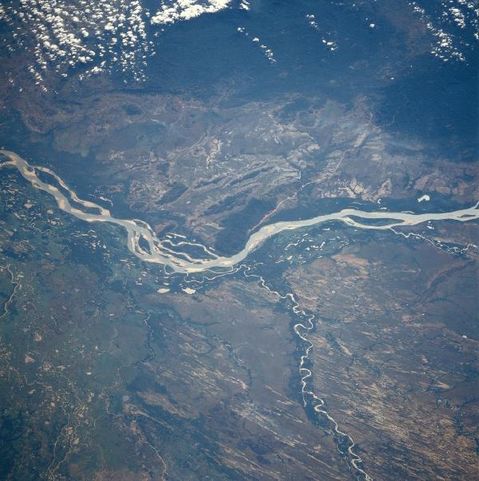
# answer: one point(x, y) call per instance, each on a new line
point(202, 54)
point(413, 94)
point(438, 103)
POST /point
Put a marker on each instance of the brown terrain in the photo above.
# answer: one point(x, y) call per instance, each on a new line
point(104, 376)
point(205, 163)
point(395, 353)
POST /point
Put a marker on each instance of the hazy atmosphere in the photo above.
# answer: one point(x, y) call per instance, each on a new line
point(239, 240)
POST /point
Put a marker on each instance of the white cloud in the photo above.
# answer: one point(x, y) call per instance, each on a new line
point(182, 10)
point(447, 44)
point(65, 34)
point(267, 52)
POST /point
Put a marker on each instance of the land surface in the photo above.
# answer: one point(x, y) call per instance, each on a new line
point(330, 352)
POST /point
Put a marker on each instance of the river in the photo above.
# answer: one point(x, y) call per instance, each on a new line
point(154, 250)
point(143, 243)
